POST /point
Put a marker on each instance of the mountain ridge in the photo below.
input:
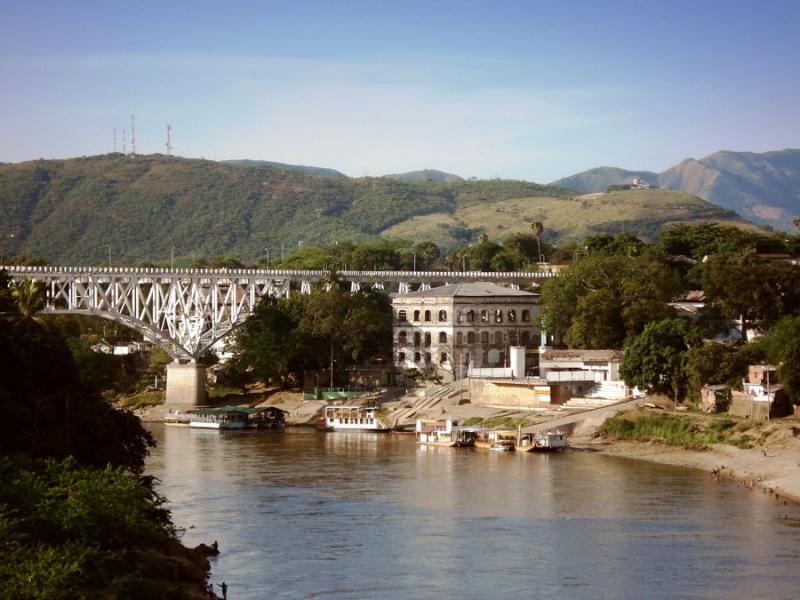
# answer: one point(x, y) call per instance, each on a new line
point(761, 186)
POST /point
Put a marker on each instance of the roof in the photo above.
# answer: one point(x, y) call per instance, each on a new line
point(478, 289)
point(583, 355)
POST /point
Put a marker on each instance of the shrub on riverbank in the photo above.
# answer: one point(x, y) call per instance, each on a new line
point(674, 430)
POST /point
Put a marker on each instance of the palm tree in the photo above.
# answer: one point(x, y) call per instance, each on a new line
point(29, 298)
point(537, 227)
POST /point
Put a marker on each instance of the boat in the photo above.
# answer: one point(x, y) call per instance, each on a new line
point(499, 440)
point(547, 441)
point(265, 417)
point(443, 432)
point(227, 417)
point(352, 418)
point(177, 419)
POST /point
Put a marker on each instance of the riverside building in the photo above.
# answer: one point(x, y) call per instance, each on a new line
point(447, 329)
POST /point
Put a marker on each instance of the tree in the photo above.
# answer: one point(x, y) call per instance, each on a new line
point(597, 322)
point(29, 298)
point(655, 360)
point(713, 363)
point(782, 345)
point(537, 228)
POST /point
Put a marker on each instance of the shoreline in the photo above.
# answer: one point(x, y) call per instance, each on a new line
point(772, 469)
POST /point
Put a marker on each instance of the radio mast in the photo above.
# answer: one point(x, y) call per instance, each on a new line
point(124, 144)
point(169, 140)
point(133, 137)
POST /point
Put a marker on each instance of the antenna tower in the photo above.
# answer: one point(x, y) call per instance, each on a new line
point(169, 140)
point(133, 137)
point(124, 145)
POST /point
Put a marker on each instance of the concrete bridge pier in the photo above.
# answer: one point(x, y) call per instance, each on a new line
point(186, 384)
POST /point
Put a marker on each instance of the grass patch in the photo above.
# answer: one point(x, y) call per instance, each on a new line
point(142, 400)
point(472, 421)
point(505, 422)
point(681, 430)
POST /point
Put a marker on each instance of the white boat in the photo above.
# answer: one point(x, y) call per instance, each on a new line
point(443, 432)
point(218, 418)
point(353, 418)
point(548, 441)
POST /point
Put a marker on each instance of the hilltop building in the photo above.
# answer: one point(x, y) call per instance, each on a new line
point(451, 328)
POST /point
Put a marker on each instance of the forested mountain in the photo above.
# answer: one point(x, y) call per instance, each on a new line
point(762, 187)
point(71, 211)
point(424, 175)
point(302, 168)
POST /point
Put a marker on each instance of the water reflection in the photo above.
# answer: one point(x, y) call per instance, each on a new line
point(306, 514)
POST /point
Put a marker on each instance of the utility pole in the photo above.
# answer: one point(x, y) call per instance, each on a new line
point(169, 140)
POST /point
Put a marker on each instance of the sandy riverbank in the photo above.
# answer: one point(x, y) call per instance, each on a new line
point(770, 468)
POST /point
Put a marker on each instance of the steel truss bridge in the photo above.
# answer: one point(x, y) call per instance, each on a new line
point(186, 311)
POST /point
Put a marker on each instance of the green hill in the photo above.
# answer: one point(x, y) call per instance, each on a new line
point(302, 168)
point(762, 187)
point(71, 211)
point(424, 175)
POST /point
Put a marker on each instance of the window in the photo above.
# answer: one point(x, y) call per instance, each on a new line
point(498, 316)
point(512, 315)
point(471, 337)
point(442, 337)
point(427, 315)
point(427, 357)
point(416, 357)
point(417, 338)
point(512, 337)
point(458, 316)
point(401, 357)
point(484, 316)
point(459, 338)
point(484, 337)
point(442, 315)
point(443, 357)
point(466, 358)
point(416, 315)
point(502, 358)
point(526, 315)
point(498, 338)
point(427, 340)
point(402, 337)
point(401, 315)
point(470, 316)
point(526, 337)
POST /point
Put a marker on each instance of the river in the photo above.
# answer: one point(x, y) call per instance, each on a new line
point(303, 514)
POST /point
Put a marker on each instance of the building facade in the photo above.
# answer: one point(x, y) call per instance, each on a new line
point(450, 328)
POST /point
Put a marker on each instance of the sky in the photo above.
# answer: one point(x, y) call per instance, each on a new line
point(525, 90)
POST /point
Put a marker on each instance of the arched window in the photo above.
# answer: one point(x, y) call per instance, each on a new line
point(427, 340)
point(417, 338)
point(502, 358)
point(459, 338)
point(427, 357)
point(498, 316)
point(526, 315)
point(484, 316)
point(526, 337)
point(442, 315)
point(402, 337)
point(470, 337)
point(417, 357)
point(443, 357)
point(512, 315)
point(470, 316)
point(427, 315)
point(401, 315)
point(442, 337)
point(484, 337)
point(498, 337)
point(416, 315)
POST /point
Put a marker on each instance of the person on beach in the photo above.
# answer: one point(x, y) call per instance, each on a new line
point(224, 587)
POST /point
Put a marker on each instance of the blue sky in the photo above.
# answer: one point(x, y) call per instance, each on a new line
point(527, 90)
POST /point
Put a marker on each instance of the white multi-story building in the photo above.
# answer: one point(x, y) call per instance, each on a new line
point(450, 328)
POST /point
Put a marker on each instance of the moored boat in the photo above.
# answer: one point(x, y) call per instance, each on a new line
point(500, 440)
point(218, 418)
point(548, 441)
point(352, 418)
point(444, 432)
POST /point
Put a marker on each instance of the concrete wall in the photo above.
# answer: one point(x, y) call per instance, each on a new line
point(494, 393)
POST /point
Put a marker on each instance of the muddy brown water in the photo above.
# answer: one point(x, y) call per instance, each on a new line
point(304, 514)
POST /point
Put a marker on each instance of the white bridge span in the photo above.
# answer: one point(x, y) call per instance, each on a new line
point(187, 310)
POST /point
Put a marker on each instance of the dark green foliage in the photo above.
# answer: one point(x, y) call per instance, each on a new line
point(655, 360)
point(699, 240)
point(68, 531)
point(713, 363)
point(603, 299)
point(676, 431)
point(782, 346)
